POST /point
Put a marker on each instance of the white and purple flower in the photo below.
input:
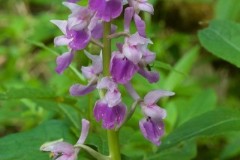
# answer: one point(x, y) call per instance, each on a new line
point(109, 109)
point(65, 151)
point(132, 58)
point(152, 126)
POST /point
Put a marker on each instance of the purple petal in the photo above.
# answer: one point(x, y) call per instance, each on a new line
point(151, 130)
point(84, 131)
point(122, 70)
point(106, 10)
point(100, 110)
point(140, 24)
point(63, 61)
point(111, 116)
point(153, 96)
point(80, 39)
point(80, 90)
point(128, 15)
point(152, 77)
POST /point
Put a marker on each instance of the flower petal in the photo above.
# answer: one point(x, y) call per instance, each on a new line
point(58, 147)
point(152, 77)
point(122, 70)
point(152, 130)
point(80, 39)
point(147, 7)
point(80, 90)
point(140, 24)
point(153, 96)
point(111, 116)
point(63, 61)
point(128, 15)
point(106, 10)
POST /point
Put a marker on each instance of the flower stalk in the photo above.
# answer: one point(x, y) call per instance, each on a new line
point(113, 140)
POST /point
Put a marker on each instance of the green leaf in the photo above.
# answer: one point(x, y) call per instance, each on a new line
point(183, 66)
point(25, 145)
point(222, 38)
point(184, 151)
point(208, 124)
point(197, 105)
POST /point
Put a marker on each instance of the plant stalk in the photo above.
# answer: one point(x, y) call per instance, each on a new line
point(113, 140)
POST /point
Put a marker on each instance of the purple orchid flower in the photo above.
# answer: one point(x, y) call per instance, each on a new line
point(152, 126)
point(91, 73)
point(132, 57)
point(106, 9)
point(79, 28)
point(109, 109)
point(64, 151)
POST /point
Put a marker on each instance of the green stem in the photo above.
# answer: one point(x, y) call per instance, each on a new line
point(113, 145)
point(113, 141)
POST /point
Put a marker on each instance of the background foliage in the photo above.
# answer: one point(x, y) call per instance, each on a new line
point(197, 43)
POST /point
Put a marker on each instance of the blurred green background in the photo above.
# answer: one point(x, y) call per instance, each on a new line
point(31, 93)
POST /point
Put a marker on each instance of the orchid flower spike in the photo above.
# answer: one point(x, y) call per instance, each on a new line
point(152, 126)
point(64, 151)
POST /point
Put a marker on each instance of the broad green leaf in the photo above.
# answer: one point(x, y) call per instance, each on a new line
point(25, 145)
point(222, 38)
point(184, 66)
point(184, 151)
point(197, 105)
point(208, 124)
